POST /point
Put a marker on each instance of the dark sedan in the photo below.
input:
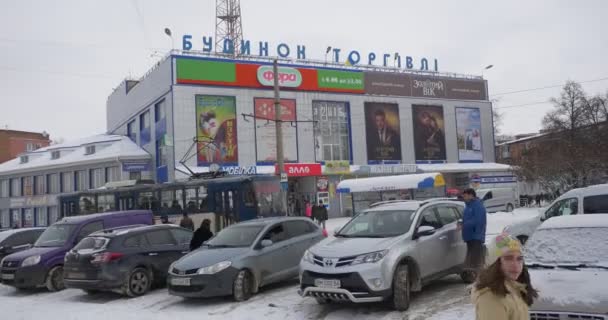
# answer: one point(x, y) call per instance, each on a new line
point(127, 260)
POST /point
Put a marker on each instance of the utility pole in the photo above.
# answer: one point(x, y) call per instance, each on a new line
point(279, 137)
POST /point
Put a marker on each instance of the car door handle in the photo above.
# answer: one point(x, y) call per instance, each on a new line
point(153, 254)
point(184, 252)
point(443, 237)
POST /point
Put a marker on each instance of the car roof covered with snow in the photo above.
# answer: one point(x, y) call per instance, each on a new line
point(577, 221)
point(410, 204)
point(595, 190)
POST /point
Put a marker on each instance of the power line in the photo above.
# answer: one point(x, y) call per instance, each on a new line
point(547, 87)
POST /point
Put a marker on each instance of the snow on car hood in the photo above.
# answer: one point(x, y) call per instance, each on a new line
point(346, 247)
point(497, 222)
point(562, 290)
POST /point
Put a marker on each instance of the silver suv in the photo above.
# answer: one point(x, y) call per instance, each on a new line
point(386, 252)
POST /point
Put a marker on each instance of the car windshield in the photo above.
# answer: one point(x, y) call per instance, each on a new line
point(4, 235)
point(236, 236)
point(378, 224)
point(91, 243)
point(568, 247)
point(55, 235)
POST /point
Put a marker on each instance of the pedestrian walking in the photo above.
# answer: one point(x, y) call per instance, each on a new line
point(186, 222)
point(202, 234)
point(319, 212)
point(473, 228)
point(309, 210)
point(503, 290)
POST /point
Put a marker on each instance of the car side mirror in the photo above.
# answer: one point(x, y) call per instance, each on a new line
point(266, 243)
point(424, 231)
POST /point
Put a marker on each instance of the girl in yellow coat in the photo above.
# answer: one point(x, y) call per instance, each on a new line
point(503, 290)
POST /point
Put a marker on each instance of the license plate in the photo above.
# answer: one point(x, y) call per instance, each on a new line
point(75, 275)
point(329, 284)
point(8, 277)
point(180, 281)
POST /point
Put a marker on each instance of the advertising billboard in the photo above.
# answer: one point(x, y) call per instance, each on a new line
point(265, 131)
point(429, 132)
point(468, 131)
point(383, 133)
point(331, 130)
point(216, 130)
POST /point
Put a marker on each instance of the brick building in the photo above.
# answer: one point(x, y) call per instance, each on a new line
point(13, 143)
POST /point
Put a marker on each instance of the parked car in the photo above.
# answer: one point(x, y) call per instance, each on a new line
point(244, 257)
point(520, 225)
point(16, 240)
point(129, 260)
point(386, 252)
point(498, 199)
point(568, 262)
point(42, 265)
point(589, 200)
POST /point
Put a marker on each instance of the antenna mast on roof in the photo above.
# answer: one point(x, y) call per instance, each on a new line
point(228, 25)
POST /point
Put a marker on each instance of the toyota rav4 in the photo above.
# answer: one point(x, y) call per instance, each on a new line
point(385, 253)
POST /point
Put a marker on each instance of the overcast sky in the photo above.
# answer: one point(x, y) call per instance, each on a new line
point(59, 60)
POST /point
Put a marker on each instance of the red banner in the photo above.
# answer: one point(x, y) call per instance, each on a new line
point(301, 169)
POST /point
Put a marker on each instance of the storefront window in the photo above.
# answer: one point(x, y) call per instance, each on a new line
point(16, 215)
point(40, 185)
point(331, 130)
point(5, 218)
point(106, 203)
point(53, 214)
point(15, 187)
point(28, 186)
point(81, 180)
point(67, 182)
point(53, 183)
point(87, 205)
point(41, 217)
point(97, 178)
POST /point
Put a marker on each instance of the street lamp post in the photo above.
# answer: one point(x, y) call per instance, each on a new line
point(168, 33)
point(490, 66)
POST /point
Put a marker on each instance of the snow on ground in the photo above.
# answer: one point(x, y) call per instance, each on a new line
point(445, 299)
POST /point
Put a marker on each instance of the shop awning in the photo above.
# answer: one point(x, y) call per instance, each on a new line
point(386, 183)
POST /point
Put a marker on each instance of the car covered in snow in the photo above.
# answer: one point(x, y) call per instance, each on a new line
point(568, 262)
point(385, 253)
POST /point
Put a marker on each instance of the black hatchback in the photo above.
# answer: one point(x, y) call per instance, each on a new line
point(15, 240)
point(128, 260)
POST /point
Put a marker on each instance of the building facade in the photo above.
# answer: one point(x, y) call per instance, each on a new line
point(191, 112)
point(30, 185)
point(13, 143)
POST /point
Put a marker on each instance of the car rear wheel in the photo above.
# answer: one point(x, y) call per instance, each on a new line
point(242, 287)
point(509, 207)
point(54, 279)
point(138, 283)
point(468, 276)
point(401, 288)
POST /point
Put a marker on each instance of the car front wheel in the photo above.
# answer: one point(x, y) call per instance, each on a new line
point(138, 283)
point(401, 288)
point(242, 287)
point(54, 279)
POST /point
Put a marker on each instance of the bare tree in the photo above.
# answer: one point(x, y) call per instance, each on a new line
point(497, 118)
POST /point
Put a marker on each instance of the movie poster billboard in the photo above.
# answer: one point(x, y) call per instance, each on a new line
point(383, 133)
point(216, 130)
point(468, 130)
point(429, 132)
point(265, 131)
point(331, 131)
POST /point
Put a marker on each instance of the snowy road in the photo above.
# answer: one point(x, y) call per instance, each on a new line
point(445, 299)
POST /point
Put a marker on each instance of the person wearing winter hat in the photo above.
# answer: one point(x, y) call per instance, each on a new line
point(503, 290)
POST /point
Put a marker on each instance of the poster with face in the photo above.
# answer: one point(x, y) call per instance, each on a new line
point(265, 131)
point(429, 132)
point(468, 129)
point(383, 133)
point(216, 130)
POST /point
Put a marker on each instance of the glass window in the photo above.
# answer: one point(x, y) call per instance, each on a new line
point(40, 182)
point(81, 180)
point(159, 111)
point(5, 218)
point(87, 204)
point(135, 175)
point(112, 174)
point(331, 131)
point(91, 243)
point(135, 241)
point(276, 234)
point(131, 132)
point(4, 188)
point(429, 218)
point(53, 214)
point(182, 236)
point(447, 214)
point(55, 235)
point(161, 154)
point(299, 228)
point(97, 178)
point(15, 187)
point(16, 216)
point(88, 229)
point(28, 186)
point(41, 217)
point(144, 121)
point(106, 203)
point(53, 183)
point(563, 208)
point(160, 238)
point(28, 218)
point(192, 205)
point(55, 155)
point(380, 223)
point(236, 236)
point(596, 204)
point(67, 182)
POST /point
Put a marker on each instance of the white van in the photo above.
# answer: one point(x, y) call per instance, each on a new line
point(498, 199)
point(593, 199)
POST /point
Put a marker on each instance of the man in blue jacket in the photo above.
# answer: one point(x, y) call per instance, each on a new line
point(473, 233)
